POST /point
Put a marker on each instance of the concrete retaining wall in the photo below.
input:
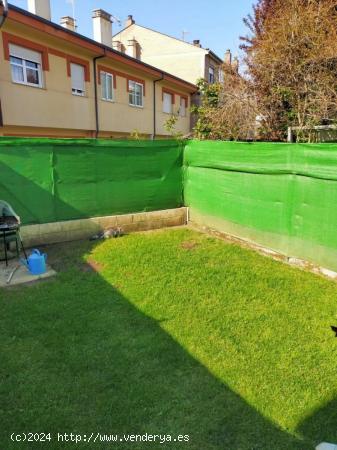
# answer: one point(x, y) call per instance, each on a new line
point(72, 230)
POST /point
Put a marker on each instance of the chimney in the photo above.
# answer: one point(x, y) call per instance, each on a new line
point(196, 43)
point(117, 45)
point(102, 26)
point(133, 48)
point(129, 21)
point(68, 23)
point(40, 8)
point(235, 64)
point(228, 57)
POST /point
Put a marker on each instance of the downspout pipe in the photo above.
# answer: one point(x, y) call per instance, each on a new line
point(96, 92)
point(3, 18)
point(155, 105)
point(4, 13)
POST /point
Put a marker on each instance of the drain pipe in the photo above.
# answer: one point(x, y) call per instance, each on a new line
point(3, 18)
point(4, 13)
point(96, 93)
point(155, 105)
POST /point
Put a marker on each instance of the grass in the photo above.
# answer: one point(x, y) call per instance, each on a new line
point(170, 332)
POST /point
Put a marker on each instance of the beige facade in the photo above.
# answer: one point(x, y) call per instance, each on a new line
point(52, 109)
point(188, 61)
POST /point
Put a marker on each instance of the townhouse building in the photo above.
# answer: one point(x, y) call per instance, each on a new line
point(55, 82)
point(189, 61)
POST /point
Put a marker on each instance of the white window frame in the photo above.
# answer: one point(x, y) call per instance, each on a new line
point(110, 77)
point(183, 100)
point(132, 94)
point(18, 53)
point(169, 98)
point(74, 90)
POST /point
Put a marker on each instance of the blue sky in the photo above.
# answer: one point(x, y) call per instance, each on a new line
point(218, 23)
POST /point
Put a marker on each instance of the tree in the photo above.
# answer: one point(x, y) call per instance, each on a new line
point(291, 56)
point(228, 110)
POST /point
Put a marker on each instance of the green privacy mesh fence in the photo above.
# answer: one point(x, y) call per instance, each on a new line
point(48, 180)
point(282, 196)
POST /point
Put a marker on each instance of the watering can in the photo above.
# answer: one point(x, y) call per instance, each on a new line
point(36, 262)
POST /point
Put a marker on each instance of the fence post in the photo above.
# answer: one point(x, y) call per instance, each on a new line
point(290, 135)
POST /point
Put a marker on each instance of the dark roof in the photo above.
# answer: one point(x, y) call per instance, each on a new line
point(98, 44)
point(215, 56)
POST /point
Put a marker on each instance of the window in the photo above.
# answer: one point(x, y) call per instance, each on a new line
point(182, 109)
point(211, 75)
point(77, 79)
point(167, 103)
point(221, 76)
point(25, 66)
point(136, 93)
point(107, 86)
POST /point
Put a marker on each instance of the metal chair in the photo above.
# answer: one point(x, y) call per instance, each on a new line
point(10, 229)
point(12, 236)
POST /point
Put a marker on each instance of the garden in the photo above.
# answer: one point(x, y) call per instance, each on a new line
point(172, 333)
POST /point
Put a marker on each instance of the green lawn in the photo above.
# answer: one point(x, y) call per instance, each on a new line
point(170, 332)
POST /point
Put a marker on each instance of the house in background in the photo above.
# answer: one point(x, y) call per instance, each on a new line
point(56, 82)
point(187, 61)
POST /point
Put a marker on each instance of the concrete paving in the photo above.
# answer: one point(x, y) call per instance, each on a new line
point(21, 274)
point(326, 446)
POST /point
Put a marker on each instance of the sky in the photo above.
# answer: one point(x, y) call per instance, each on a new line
point(217, 23)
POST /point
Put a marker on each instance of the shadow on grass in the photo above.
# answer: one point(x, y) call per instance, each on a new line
point(322, 424)
point(79, 357)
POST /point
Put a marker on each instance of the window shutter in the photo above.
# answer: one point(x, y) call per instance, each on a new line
point(211, 75)
point(103, 84)
point(167, 102)
point(182, 107)
point(109, 83)
point(107, 86)
point(24, 53)
point(77, 77)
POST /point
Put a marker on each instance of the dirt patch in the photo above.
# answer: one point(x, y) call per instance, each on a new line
point(189, 245)
point(296, 262)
